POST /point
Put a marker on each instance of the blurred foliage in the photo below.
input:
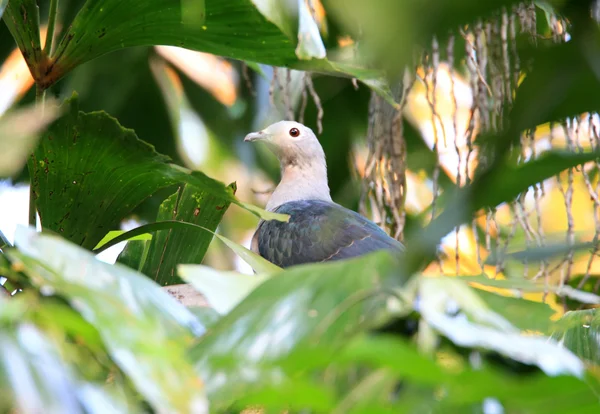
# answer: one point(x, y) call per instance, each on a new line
point(473, 135)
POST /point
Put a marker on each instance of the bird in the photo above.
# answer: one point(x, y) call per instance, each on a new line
point(318, 230)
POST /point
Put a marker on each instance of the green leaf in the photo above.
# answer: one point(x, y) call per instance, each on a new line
point(258, 263)
point(501, 183)
point(89, 172)
point(538, 254)
point(168, 248)
point(370, 395)
point(135, 253)
point(522, 313)
point(23, 21)
point(144, 329)
point(257, 31)
point(479, 326)
point(464, 385)
point(297, 394)
point(223, 290)
point(579, 331)
point(19, 132)
point(295, 310)
point(35, 378)
point(510, 180)
point(208, 316)
point(116, 233)
point(564, 80)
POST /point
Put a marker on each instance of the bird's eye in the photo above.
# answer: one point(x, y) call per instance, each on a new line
point(294, 132)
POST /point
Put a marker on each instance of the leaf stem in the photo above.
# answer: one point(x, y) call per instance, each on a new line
point(40, 96)
point(51, 24)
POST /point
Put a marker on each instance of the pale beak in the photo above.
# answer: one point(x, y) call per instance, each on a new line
point(256, 136)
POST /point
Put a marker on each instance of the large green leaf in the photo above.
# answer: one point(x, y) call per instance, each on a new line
point(144, 329)
point(169, 248)
point(35, 377)
point(307, 305)
point(223, 290)
point(257, 31)
point(89, 172)
point(579, 331)
point(480, 325)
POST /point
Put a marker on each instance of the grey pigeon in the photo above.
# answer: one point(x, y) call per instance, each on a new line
point(319, 230)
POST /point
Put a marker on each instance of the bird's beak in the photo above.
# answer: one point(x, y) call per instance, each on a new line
point(256, 136)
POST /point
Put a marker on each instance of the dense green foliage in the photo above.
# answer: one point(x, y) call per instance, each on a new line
point(370, 334)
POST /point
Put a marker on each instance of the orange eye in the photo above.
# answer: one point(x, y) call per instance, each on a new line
point(294, 132)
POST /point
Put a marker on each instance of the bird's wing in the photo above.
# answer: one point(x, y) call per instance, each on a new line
point(319, 231)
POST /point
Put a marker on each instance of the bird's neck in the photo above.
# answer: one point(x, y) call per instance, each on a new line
point(300, 182)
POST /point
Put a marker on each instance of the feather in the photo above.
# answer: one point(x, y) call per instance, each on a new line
point(319, 231)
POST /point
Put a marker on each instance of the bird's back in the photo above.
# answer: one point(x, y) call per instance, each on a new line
point(318, 231)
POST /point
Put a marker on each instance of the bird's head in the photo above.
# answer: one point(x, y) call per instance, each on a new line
point(292, 142)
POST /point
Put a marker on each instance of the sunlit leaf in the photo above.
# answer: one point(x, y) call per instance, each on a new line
point(116, 233)
point(36, 378)
point(479, 326)
point(294, 310)
point(223, 290)
point(138, 322)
